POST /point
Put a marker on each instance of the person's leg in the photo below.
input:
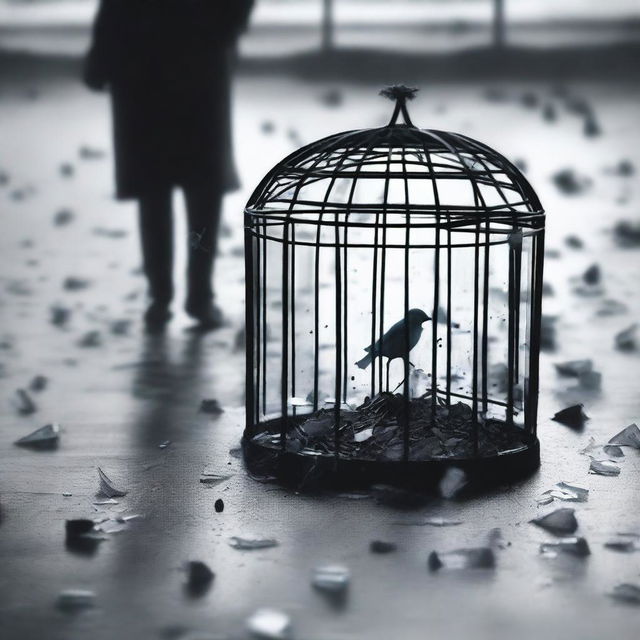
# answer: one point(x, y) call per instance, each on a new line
point(203, 217)
point(156, 235)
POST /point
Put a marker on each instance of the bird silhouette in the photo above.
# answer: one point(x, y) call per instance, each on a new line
point(393, 343)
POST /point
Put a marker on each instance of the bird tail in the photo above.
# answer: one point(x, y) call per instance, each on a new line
point(365, 362)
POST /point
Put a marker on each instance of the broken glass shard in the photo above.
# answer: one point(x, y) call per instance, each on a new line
point(573, 545)
point(452, 482)
point(604, 468)
point(573, 417)
point(473, 558)
point(559, 521)
point(626, 340)
point(628, 437)
point(270, 624)
point(44, 437)
point(250, 544)
point(199, 577)
point(331, 578)
point(613, 451)
point(580, 492)
point(107, 488)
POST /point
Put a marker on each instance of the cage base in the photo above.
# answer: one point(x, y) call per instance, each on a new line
point(306, 472)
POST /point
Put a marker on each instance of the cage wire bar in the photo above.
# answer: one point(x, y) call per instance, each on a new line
point(332, 261)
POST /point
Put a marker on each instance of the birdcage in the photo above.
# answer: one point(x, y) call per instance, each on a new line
point(394, 283)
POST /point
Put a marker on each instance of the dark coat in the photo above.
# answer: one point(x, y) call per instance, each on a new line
point(167, 66)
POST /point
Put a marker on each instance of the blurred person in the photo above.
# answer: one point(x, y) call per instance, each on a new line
point(166, 64)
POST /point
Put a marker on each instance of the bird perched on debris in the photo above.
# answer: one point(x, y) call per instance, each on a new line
point(393, 343)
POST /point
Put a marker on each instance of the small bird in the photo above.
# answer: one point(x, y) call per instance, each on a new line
point(393, 345)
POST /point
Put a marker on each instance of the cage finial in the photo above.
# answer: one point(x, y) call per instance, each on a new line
point(400, 93)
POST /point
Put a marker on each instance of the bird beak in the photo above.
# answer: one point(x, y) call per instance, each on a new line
point(427, 320)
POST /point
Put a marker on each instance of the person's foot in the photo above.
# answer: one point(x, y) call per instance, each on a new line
point(208, 315)
point(157, 316)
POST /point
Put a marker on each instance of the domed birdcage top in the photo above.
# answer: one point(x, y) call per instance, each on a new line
point(432, 176)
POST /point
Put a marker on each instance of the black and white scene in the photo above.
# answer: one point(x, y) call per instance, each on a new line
point(319, 319)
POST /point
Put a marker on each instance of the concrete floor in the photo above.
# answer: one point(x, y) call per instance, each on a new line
point(118, 401)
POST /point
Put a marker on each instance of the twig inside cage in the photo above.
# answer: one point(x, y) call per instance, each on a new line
point(375, 431)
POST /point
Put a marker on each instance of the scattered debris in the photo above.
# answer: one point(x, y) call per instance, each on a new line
point(219, 505)
point(267, 127)
point(59, 315)
point(572, 416)
point(212, 479)
point(107, 488)
point(529, 99)
point(575, 546)
point(73, 283)
point(473, 558)
point(211, 407)
point(250, 544)
point(559, 521)
point(574, 368)
point(270, 624)
point(332, 98)
point(379, 546)
point(613, 451)
point(569, 182)
point(549, 112)
point(120, 327)
point(332, 579)
point(46, 437)
point(610, 307)
point(23, 402)
point(199, 578)
point(90, 153)
point(38, 383)
point(604, 468)
point(591, 127)
point(627, 340)
point(627, 233)
point(76, 599)
point(628, 437)
point(452, 482)
point(63, 217)
point(90, 339)
point(574, 242)
point(566, 492)
point(626, 592)
point(66, 170)
point(624, 168)
point(113, 234)
point(622, 544)
point(592, 276)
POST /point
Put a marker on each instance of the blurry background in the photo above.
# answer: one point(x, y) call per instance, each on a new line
point(553, 85)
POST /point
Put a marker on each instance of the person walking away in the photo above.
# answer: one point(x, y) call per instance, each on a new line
point(166, 64)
